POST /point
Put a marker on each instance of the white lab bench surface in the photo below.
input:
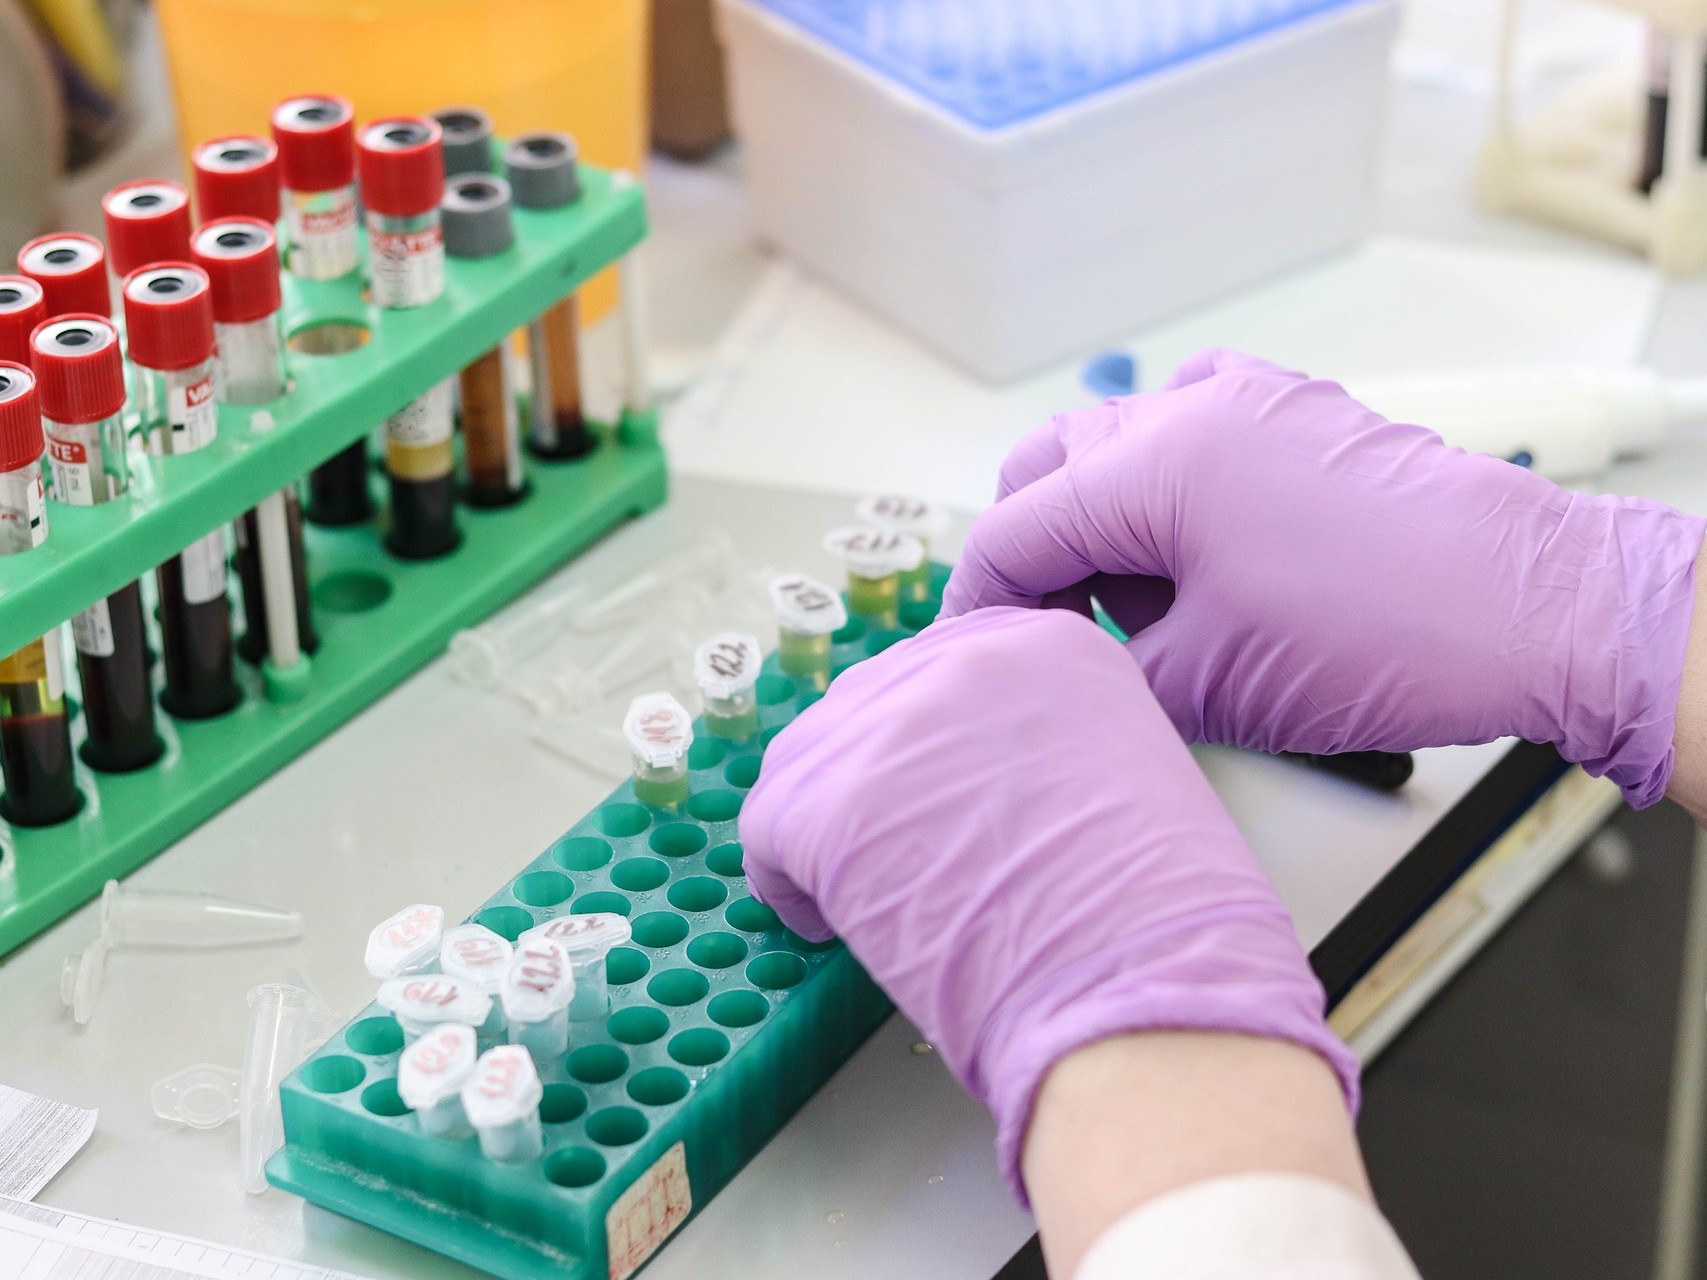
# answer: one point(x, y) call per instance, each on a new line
point(437, 794)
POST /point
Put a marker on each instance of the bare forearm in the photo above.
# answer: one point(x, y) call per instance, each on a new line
point(1134, 1117)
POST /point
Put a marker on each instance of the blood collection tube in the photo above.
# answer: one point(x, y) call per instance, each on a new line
point(169, 322)
point(402, 172)
point(726, 668)
point(147, 222)
point(72, 271)
point(467, 139)
point(240, 256)
point(80, 379)
point(316, 140)
point(237, 177)
point(659, 732)
point(35, 730)
point(915, 517)
point(875, 559)
point(542, 174)
point(22, 307)
point(808, 615)
point(476, 214)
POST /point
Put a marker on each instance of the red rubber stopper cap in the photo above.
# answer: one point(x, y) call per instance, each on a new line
point(168, 316)
point(241, 258)
point(316, 137)
point(237, 177)
point(71, 269)
point(22, 307)
point(79, 368)
point(402, 166)
point(21, 440)
point(147, 222)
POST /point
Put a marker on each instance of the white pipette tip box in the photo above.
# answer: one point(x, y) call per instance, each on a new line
point(1017, 181)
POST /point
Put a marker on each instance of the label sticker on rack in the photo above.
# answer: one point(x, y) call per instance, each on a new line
point(204, 568)
point(643, 1217)
point(93, 630)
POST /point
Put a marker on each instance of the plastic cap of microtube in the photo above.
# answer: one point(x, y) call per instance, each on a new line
point(406, 941)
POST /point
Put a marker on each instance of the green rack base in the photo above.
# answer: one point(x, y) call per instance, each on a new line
point(379, 620)
point(722, 1024)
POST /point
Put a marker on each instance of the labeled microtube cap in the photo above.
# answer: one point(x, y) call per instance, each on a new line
point(405, 942)
point(505, 1087)
point(468, 139)
point(727, 664)
point(923, 520)
point(431, 998)
point(806, 606)
point(477, 954)
point(541, 169)
point(475, 215)
point(658, 728)
point(539, 981)
point(584, 937)
point(874, 553)
point(436, 1066)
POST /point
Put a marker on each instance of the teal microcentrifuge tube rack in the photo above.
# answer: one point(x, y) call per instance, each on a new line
point(379, 618)
point(721, 1025)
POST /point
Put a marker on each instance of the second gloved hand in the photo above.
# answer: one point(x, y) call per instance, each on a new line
point(1001, 823)
point(1297, 573)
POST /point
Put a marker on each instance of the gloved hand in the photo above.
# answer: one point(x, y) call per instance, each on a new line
point(1312, 577)
point(1001, 823)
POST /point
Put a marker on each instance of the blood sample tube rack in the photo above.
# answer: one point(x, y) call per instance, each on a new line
point(379, 618)
point(721, 1025)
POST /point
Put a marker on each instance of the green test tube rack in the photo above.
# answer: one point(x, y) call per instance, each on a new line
point(722, 1024)
point(378, 618)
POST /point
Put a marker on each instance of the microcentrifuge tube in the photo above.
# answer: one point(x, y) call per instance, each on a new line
point(542, 172)
point(80, 379)
point(726, 667)
point(914, 516)
point(711, 562)
point(430, 1077)
point(282, 1018)
point(476, 954)
point(502, 1101)
point(35, 731)
point(169, 327)
point(875, 560)
point(136, 917)
point(659, 732)
point(406, 943)
point(538, 987)
point(588, 939)
point(475, 211)
point(426, 1000)
point(808, 614)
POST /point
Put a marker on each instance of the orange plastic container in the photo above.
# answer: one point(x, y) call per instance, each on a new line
point(578, 65)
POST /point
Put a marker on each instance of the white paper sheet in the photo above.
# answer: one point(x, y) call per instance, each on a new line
point(38, 1243)
point(38, 1137)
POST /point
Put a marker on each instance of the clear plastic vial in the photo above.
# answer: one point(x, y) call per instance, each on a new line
point(659, 732)
point(913, 516)
point(808, 614)
point(502, 1101)
point(588, 939)
point(726, 669)
point(875, 560)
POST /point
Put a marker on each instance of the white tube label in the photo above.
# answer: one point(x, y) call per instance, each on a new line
point(191, 414)
point(203, 563)
point(23, 514)
point(321, 228)
point(93, 631)
point(76, 470)
point(407, 268)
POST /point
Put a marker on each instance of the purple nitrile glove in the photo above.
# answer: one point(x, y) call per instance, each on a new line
point(1299, 574)
point(1001, 823)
